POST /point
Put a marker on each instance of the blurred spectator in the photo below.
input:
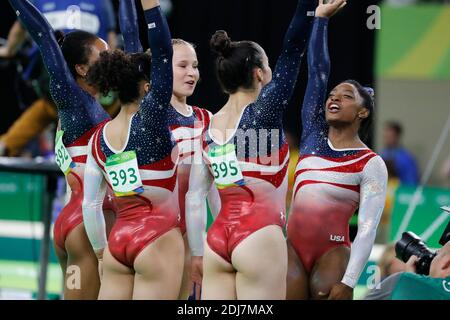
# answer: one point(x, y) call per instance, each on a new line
point(95, 16)
point(389, 264)
point(404, 163)
point(409, 285)
point(392, 185)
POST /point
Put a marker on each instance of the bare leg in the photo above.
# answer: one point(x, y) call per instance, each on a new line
point(81, 276)
point(62, 258)
point(328, 271)
point(219, 277)
point(261, 264)
point(297, 278)
point(117, 280)
point(159, 268)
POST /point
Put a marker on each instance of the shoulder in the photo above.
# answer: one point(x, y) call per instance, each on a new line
point(98, 131)
point(202, 114)
point(406, 154)
point(376, 167)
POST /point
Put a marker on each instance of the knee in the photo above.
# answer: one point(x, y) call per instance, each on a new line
point(319, 288)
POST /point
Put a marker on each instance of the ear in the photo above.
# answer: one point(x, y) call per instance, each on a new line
point(147, 87)
point(82, 70)
point(258, 74)
point(364, 113)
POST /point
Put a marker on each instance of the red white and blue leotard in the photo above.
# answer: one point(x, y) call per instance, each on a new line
point(186, 129)
point(262, 153)
point(145, 217)
point(80, 114)
point(330, 184)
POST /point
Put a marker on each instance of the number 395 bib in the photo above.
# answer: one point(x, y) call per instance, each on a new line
point(225, 166)
point(123, 174)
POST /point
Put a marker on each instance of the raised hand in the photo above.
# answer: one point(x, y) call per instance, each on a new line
point(149, 4)
point(329, 9)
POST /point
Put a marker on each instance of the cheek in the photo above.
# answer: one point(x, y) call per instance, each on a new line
point(178, 76)
point(267, 76)
point(197, 74)
point(94, 57)
point(350, 110)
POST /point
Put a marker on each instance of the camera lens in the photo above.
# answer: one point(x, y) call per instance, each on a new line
point(411, 245)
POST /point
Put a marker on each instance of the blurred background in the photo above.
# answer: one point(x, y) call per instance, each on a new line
point(401, 48)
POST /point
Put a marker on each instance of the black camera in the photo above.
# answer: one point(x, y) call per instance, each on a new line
point(411, 245)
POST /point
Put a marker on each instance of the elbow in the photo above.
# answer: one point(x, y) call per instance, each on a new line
point(366, 234)
point(88, 207)
point(85, 209)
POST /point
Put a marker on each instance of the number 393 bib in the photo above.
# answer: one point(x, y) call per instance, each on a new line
point(225, 166)
point(123, 174)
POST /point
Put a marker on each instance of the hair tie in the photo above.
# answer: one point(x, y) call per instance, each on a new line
point(370, 91)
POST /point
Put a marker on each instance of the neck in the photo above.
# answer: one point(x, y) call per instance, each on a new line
point(127, 111)
point(239, 100)
point(83, 84)
point(180, 104)
point(345, 137)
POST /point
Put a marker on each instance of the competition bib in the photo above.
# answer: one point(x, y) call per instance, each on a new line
point(62, 157)
point(225, 166)
point(123, 174)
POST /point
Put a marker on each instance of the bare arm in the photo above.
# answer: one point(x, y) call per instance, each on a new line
point(112, 40)
point(16, 37)
point(149, 4)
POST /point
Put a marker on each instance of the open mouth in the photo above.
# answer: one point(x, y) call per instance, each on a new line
point(191, 83)
point(334, 108)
